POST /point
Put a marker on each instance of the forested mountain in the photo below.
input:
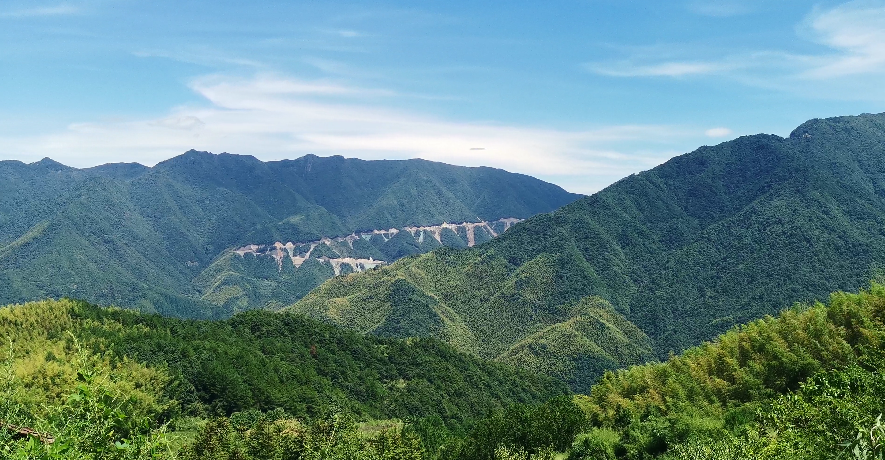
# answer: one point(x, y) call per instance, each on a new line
point(134, 236)
point(260, 360)
point(79, 381)
point(799, 385)
point(130, 372)
point(275, 275)
point(684, 251)
point(807, 384)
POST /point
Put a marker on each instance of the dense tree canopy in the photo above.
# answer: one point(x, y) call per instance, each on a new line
point(138, 237)
point(710, 239)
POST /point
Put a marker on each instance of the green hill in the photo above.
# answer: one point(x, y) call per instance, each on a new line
point(109, 383)
point(138, 237)
point(710, 239)
point(480, 306)
point(808, 383)
point(261, 361)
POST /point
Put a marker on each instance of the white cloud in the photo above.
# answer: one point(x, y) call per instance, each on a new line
point(852, 33)
point(717, 132)
point(344, 33)
point(273, 117)
point(664, 69)
point(201, 55)
point(856, 31)
point(55, 10)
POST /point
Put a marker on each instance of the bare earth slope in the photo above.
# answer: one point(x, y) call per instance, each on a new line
point(137, 237)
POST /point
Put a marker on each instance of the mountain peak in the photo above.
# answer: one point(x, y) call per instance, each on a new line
point(49, 163)
point(821, 126)
point(203, 157)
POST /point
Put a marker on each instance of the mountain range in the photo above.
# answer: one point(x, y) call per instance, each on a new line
point(142, 237)
point(655, 263)
point(717, 239)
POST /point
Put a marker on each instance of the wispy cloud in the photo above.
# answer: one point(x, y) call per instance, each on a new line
point(718, 132)
point(275, 117)
point(202, 55)
point(852, 33)
point(54, 10)
point(856, 31)
point(663, 69)
point(348, 33)
point(338, 68)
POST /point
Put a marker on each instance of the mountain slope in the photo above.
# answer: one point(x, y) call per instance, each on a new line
point(254, 361)
point(684, 251)
point(799, 385)
point(275, 275)
point(808, 383)
point(134, 236)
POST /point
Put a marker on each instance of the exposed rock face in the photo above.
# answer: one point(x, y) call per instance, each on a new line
point(344, 252)
point(278, 274)
point(159, 238)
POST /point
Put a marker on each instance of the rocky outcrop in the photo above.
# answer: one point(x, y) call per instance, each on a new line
point(344, 252)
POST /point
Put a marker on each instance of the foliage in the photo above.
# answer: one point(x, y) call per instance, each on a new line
point(138, 237)
point(117, 384)
point(870, 442)
point(807, 384)
point(711, 239)
point(523, 432)
point(336, 438)
point(261, 360)
point(96, 420)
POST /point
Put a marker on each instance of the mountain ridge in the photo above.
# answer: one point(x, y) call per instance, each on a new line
point(709, 239)
point(138, 236)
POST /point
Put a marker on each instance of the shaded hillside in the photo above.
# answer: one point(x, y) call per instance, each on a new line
point(806, 384)
point(137, 237)
point(684, 251)
point(259, 361)
point(799, 385)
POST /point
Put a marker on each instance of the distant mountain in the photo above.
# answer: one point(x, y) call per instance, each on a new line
point(673, 256)
point(276, 275)
point(135, 236)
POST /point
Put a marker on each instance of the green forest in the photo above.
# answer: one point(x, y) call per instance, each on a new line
point(670, 257)
point(718, 306)
point(113, 384)
point(142, 237)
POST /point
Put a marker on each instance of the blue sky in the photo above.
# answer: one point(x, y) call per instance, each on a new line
point(580, 93)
